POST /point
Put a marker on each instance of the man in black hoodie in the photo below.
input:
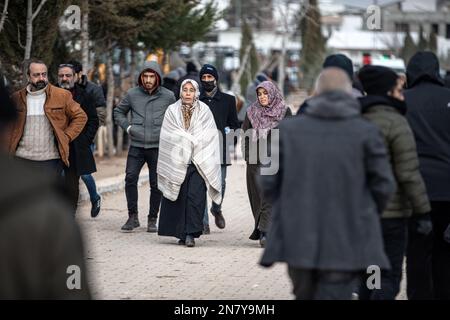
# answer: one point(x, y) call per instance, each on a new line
point(428, 265)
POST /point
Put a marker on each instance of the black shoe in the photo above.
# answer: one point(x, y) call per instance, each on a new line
point(151, 225)
point(206, 229)
point(190, 242)
point(95, 209)
point(131, 223)
point(181, 242)
point(219, 219)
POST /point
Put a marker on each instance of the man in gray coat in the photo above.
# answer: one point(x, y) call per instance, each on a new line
point(148, 103)
point(334, 181)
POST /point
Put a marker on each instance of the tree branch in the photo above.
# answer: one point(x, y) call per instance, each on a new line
point(38, 9)
point(4, 15)
point(18, 37)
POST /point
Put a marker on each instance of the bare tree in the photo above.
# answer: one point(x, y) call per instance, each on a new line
point(30, 18)
point(4, 15)
point(109, 100)
point(85, 35)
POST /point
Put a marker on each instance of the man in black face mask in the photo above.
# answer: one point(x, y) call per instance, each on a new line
point(223, 108)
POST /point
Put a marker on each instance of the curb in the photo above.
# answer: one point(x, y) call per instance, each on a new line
point(112, 184)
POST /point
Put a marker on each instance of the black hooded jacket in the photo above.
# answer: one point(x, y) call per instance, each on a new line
point(428, 114)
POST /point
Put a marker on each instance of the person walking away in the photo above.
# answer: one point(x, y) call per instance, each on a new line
point(428, 256)
point(333, 183)
point(384, 106)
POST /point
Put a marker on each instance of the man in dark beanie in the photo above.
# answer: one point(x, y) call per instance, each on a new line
point(384, 106)
point(428, 267)
point(223, 108)
point(339, 61)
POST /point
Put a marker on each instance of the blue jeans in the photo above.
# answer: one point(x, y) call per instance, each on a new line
point(216, 207)
point(89, 181)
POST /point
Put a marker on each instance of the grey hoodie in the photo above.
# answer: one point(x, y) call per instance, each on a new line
point(147, 111)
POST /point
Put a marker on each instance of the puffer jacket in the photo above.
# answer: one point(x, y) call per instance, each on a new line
point(411, 196)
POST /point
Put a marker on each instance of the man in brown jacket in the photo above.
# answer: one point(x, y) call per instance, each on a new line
point(48, 120)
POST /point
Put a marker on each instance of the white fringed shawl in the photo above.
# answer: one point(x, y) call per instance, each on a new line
point(178, 147)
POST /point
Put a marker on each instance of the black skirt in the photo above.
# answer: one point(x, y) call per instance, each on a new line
point(185, 215)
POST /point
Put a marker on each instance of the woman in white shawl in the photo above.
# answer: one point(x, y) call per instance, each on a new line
point(188, 165)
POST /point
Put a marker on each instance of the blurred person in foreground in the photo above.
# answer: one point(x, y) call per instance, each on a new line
point(40, 243)
point(336, 164)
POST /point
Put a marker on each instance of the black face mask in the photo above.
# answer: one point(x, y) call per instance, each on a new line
point(208, 85)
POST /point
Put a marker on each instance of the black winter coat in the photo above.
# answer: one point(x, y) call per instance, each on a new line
point(80, 154)
point(333, 182)
point(428, 114)
point(223, 108)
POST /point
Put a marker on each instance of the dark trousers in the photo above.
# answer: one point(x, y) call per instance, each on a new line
point(394, 238)
point(137, 157)
point(310, 284)
point(428, 258)
point(72, 181)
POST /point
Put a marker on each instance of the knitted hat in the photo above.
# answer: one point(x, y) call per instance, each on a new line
point(377, 80)
point(209, 69)
point(339, 61)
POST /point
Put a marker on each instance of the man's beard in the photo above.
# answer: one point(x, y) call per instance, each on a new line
point(39, 85)
point(66, 85)
point(149, 86)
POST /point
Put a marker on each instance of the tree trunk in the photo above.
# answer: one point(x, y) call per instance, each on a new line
point(281, 65)
point(132, 67)
point(119, 147)
point(29, 23)
point(109, 101)
point(4, 15)
point(85, 37)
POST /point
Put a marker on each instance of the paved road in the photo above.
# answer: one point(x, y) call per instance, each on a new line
point(140, 265)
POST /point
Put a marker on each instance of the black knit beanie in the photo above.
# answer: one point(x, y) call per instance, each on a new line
point(377, 80)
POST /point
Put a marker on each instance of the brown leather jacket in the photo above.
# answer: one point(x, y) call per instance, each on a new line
point(65, 115)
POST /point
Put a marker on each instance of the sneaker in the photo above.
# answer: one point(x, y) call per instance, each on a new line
point(181, 242)
point(219, 219)
point(190, 242)
point(206, 229)
point(131, 223)
point(151, 225)
point(95, 209)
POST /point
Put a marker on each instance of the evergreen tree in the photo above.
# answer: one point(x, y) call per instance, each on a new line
point(409, 48)
point(432, 42)
point(423, 43)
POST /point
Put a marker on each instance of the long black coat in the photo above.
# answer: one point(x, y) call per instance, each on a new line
point(223, 108)
point(333, 182)
point(80, 155)
point(428, 115)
